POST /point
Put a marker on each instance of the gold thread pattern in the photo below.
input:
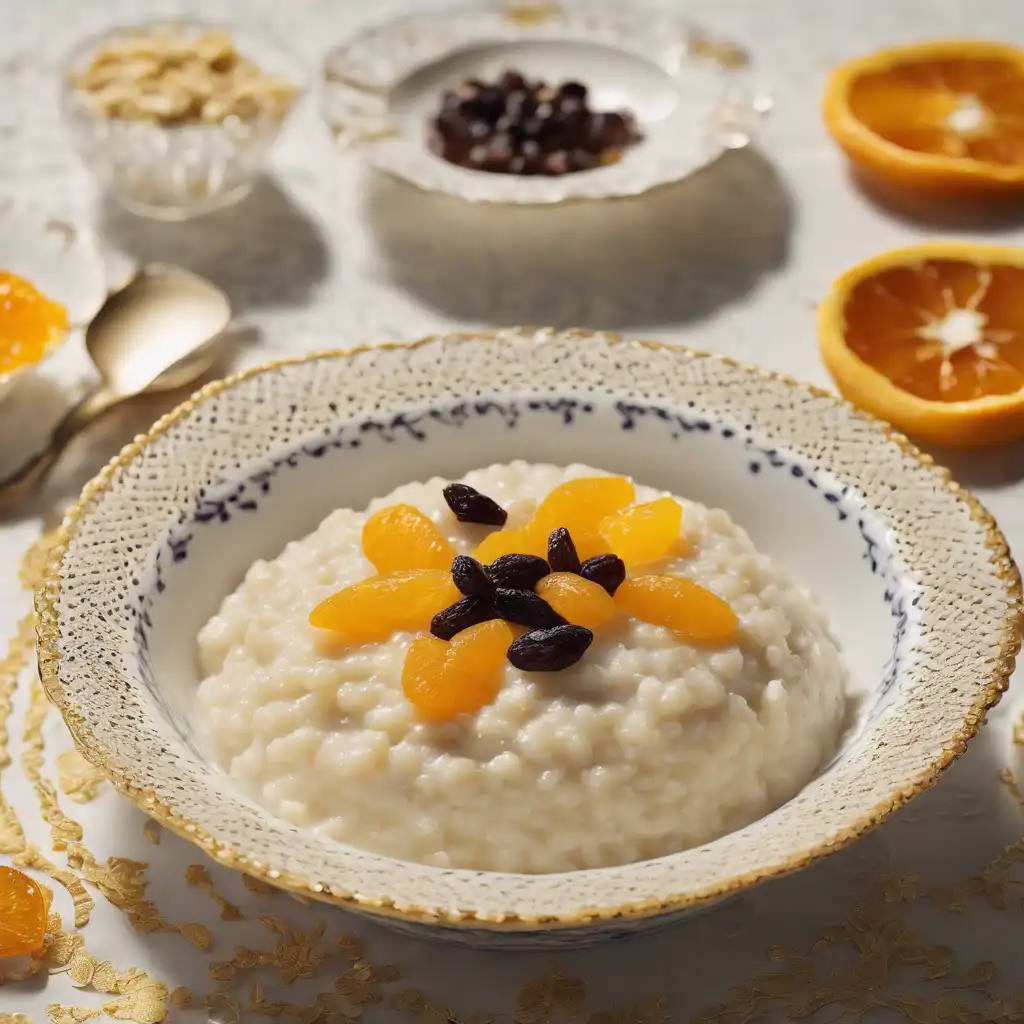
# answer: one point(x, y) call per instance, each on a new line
point(77, 778)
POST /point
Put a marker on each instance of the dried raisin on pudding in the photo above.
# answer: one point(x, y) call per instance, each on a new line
point(562, 555)
point(607, 570)
point(466, 612)
point(471, 577)
point(550, 650)
point(470, 506)
point(525, 608)
point(518, 572)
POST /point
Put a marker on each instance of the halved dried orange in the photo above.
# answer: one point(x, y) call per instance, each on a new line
point(931, 338)
point(22, 913)
point(945, 116)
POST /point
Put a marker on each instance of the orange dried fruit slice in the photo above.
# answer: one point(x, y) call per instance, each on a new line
point(931, 338)
point(402, 537)
point(22, 913)
point(373, 609)
point(445, 680)
point(29, 323)
point(511, 541)
point(579, 505)
point(642, 534)
point(944, 116)
point(578, 601)
point(679, 604)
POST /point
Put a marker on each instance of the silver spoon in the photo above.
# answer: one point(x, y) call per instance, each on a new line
point(156, 334)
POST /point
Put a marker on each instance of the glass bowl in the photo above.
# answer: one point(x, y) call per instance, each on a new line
point(174, 172)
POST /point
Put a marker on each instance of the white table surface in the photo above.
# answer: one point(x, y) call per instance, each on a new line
point(323, 256)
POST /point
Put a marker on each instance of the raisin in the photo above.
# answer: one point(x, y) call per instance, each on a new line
point(562, 555)
point(518, 572)
point(471, 577)
point(470, 506)
point(550, 650)
point(525, 608)
point(607, 570)
point(466, 612)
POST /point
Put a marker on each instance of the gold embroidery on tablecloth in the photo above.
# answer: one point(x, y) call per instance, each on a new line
point(258, 887)
point(182, 997)
point(78, 779)
point(153, 831)
point(199, 875)
point(531, 13)
point(32, 569)
point(14, 1018)
point(554, 998)
point(295, 954)
point(122, 882)
point(140, 998)
point(32, 742)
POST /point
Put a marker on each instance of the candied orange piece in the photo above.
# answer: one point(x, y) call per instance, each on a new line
point(22, 913)
point(402, 537)
point(577, 600)
point(678, 603)
point(29, 322)
point(373, 609)
point(445, 680)
point(644, 533)
point(579, 505)
point(423, 678)
point(512, 541)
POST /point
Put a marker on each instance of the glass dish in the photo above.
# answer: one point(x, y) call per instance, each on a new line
point(174, 172)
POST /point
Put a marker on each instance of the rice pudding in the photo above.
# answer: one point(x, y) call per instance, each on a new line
point(661, 733)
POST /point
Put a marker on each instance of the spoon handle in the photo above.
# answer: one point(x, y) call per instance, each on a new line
point(33, 473)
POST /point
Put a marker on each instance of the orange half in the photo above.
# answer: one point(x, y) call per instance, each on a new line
point(22, 913)
point(944, 116)
point(931, 338)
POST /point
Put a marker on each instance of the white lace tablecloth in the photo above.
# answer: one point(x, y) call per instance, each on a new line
point(920, 921)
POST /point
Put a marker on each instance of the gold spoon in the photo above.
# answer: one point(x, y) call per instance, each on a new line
point(156, 334)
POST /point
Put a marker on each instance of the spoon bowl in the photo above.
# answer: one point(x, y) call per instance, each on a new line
point(163, 316)
point(155, 334)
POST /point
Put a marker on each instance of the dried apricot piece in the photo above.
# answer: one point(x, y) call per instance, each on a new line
point(22, 913)
point(29, 322)
point(577, 600)
point(693, 611)
point(642, 534)
point(373, 609)
point(478, 655)
point(445, 680)
point(579, 505)
point(402, 537)
point(512, 541)
point(423, 678)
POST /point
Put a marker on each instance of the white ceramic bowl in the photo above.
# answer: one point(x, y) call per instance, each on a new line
point(691, 96)
point(61, 260)
point(914, 575)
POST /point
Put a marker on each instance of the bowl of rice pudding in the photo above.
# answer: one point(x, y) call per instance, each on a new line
point(527, 637)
